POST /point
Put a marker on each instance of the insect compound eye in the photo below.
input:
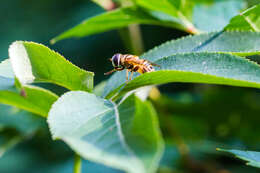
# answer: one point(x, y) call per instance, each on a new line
point(116, 60)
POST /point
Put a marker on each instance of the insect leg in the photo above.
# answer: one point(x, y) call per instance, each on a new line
point(126, 75)
point(115, 69)
point(108, 73)
point(131, 75)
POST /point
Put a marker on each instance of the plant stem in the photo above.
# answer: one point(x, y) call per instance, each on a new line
point(77, 164)
point(136, 39)
point(132, 39)
point(133, 36)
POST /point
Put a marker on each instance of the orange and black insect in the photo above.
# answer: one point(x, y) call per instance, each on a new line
point(131, 63)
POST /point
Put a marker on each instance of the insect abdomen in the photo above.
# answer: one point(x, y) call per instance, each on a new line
point(147, 67)
point(135, 64)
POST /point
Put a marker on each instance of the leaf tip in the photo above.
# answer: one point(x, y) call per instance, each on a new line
point(20, 62)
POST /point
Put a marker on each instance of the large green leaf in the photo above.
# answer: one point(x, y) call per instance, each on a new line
point(124, 136)
point(24, 123)
point(252, 2)
point(252, 157)
point(36, 100)
point(210, 68)
point(221, 42)
point(176, 14)
point(248, 20)
point(179, 10)
point(164, 6)
point(203, 15)
point(214, 15)
point(34, 62)
point(110, 20)
point(238, 43)
point(33, 99)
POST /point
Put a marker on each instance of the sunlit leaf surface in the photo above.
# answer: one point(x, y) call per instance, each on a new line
point(124, 136)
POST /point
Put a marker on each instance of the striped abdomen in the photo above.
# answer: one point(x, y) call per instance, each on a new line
point(135, 64)
point(147, 67)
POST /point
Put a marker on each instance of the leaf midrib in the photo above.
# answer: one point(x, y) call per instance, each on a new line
point(251, 24)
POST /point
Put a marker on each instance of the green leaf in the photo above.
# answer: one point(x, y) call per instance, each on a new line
point(176, 14)
point(178, 9)
point(34, 62)
point(33, 99)
point(36, 100)
point(124, 136)
point(252, 157)
point(210, 68)
point(215, 15)
point(24, 123)
point(195, 15)
point(221, 42)
point(166, 6)
point(252, 2)
point(108, 21)
point(249, 20)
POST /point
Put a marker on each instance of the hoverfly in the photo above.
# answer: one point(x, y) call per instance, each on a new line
point(131, 63)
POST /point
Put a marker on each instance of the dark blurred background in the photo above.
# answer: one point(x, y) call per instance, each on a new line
point(204, 115)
